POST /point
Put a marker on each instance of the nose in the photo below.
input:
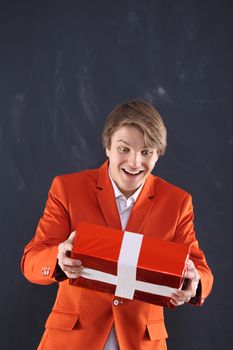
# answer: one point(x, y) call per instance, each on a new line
point(134, 160)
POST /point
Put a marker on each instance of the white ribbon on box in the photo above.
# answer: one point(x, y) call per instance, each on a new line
point(125, 280)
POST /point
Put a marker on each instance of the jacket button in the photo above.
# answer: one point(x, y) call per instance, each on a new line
point(116, 302)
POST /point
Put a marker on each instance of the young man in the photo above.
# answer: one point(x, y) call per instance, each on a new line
point(121, 194)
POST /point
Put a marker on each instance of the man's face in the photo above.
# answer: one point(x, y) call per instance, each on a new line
point(130, 161)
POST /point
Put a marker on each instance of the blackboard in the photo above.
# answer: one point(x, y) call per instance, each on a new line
point(63, 67)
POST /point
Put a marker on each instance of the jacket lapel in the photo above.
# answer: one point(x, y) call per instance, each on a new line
point(106, 198)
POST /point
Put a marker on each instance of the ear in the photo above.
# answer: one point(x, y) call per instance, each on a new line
point(157, 157)
point(107, 152)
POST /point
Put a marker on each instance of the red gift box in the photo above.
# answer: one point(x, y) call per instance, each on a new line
point(129, 265)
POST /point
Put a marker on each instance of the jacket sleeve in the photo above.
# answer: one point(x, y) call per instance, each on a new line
point(40, 254)
point(185, 233)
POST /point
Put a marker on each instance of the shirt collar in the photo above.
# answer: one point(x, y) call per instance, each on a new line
point(118, 193)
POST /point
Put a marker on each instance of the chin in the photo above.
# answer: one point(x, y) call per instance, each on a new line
point(132, 189)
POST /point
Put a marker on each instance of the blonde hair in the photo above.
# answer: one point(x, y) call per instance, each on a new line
point(142, 115)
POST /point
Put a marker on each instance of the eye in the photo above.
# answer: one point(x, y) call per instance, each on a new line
point(146, 152)
point(123, 149)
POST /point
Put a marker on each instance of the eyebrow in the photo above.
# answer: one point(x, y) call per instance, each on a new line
point(128, 144)
point(120, 140)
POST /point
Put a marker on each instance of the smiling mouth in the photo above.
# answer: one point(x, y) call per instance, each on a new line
point(131, 173)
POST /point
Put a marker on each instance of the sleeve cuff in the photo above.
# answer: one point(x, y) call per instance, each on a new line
point(197, 300)
point(59, 274)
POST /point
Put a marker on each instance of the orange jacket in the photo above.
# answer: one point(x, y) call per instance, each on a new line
point(82, 318)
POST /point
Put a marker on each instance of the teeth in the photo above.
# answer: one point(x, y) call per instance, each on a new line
point(131, 172)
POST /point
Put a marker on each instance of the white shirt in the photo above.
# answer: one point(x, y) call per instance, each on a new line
point(124, 206)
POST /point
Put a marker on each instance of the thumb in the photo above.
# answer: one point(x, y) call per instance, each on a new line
point(71, 237)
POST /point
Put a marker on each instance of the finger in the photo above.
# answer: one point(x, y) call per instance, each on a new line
point(176, 303)
point(70, 262)
point(191, 272)
point(73, 273)
point(67, 244)
point(72, 269)
point(71, 236)
point(179, 302)
point(183, 294)
point(189, 263)
point(183, 297)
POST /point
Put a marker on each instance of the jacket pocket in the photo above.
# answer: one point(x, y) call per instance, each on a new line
point(156, 330)
point(62, 320)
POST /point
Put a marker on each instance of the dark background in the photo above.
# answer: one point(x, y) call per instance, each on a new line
point(63, 66)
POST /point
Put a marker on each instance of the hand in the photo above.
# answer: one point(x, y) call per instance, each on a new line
point(71, 267)
point(183, 296)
